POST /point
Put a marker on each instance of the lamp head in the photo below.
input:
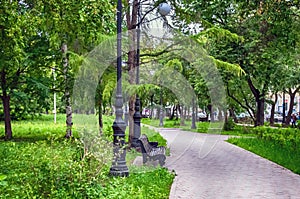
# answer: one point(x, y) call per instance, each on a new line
point(164, 9)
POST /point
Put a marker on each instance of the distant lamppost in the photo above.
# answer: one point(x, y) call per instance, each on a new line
point(193, 126)
point(119, 167)
point(161, 111)
point(54, 95)
point(283, 108)
point(164, 9)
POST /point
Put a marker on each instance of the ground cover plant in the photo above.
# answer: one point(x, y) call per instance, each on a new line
point(280, 145)
point(40, 163)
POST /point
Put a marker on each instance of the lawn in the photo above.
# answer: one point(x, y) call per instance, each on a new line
point(280, 145)
point(40, 163)
point(202, 127)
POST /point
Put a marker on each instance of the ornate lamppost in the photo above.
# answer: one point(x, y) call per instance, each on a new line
point(119, 167)
point(164, 9)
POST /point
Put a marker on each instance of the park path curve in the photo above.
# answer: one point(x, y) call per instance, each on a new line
point(210, 168)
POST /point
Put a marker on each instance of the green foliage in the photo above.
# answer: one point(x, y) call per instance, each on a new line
point(288, 137)
point(47, 168)
point(40, 163)
point(150, 184)
point(229, 124)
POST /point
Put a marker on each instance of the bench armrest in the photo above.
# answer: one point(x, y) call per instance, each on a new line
point(153, 144)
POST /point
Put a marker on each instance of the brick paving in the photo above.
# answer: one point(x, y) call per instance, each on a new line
point(208, 167)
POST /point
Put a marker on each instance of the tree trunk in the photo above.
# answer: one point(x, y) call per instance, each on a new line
point(290, 111)
point(260, 112)
point(172, 115)
point(225, 116)
point(131, 102)
point(260, 103)
point(210, 110)
point(131, 19)
point(232, 115)
point(220, 115)
point(6, 107)
point(65, 62)
point(152, 108)
point(100, 118)
point(182, 115)
point(273, 110)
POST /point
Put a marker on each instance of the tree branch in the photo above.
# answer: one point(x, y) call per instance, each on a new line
point(237, 101)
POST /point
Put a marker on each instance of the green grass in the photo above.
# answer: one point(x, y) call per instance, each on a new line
point(202, 127)
point(40, 163)
point(269, 149)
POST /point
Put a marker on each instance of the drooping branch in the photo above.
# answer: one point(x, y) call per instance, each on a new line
point(245, 98)
point(166, 50)
point(247, 107)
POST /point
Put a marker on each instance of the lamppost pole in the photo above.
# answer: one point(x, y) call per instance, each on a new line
point(161, 111)
point(283, 108)
point(193, 115)
point(119, 167)
point(137, 115)
point(164, 9)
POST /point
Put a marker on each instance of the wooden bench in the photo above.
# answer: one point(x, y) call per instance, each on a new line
point(151, 150)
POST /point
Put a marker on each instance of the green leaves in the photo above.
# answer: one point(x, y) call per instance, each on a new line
point(39, 162)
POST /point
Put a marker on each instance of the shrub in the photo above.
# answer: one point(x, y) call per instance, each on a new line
point(229, 124)
point(288, 137)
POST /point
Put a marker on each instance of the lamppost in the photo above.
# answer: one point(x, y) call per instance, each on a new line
point(164, 9)
point(119, 167)
point(283, 108)
point(54, 95)
point(193, 126)
point(161, 111)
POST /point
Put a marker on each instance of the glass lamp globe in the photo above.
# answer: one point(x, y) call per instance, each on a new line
point(164, 9)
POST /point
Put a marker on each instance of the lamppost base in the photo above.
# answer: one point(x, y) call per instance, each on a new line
point(119, 171)
point(135, 143)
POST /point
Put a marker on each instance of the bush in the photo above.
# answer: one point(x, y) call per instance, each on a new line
point(288, 137)
point(229, 124)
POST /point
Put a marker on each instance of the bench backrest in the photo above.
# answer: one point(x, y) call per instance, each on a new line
point(145, 142)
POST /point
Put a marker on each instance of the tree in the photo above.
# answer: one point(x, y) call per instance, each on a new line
point(75, 27)
point(28, 52)
point(17, 56)
point(268, 28)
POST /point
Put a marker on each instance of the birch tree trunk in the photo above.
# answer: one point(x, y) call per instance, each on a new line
point(182, 115)
point(65, 62)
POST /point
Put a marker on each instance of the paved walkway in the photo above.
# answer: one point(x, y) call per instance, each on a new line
point(208, 167)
